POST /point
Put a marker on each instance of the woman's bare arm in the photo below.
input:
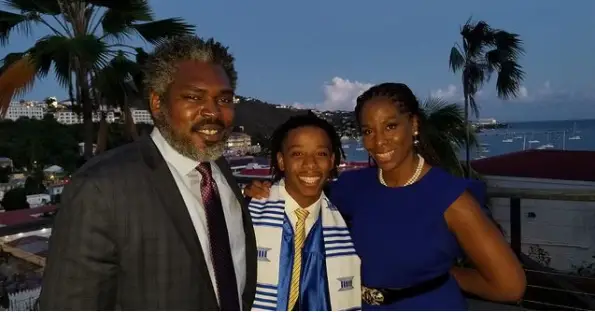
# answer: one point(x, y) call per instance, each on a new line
point(498, 274)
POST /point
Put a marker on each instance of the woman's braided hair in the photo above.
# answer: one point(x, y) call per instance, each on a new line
point(403, 97)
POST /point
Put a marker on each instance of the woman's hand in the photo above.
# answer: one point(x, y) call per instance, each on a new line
point(498, 274)
point(258, 189)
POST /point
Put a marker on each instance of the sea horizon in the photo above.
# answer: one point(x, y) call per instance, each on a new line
point(574, 134)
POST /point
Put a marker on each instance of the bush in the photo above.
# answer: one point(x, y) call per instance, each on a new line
point(15, 199)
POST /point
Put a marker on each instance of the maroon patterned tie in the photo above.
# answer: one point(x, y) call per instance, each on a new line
point(225, 276)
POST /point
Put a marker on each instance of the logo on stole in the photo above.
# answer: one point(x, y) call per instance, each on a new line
point(346, 283)
point(330, 205)
point(262, 254)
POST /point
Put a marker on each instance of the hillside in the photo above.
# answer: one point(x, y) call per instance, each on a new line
point(260, 118)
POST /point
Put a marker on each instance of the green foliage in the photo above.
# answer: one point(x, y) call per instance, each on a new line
point(34, 184)
point(446, 130)
point(32, 143)
point(5, 174)
point(483, 51)
point(37, 144)
point(83, 36)
point(15, 199)
point(540, 255)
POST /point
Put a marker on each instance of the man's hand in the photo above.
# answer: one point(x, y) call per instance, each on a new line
point(258, 189)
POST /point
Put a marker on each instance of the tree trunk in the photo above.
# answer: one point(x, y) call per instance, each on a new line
point(129, 125)
point(102, 135)
point(467, 128)
point(87, 106)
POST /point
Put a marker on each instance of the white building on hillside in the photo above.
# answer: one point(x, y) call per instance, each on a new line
point(141, 116)
point(69, 117)
point(31, 110)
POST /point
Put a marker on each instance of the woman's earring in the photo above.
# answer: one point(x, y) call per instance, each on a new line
point(415, 138)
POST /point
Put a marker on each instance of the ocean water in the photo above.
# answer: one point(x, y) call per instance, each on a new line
point(561, 135)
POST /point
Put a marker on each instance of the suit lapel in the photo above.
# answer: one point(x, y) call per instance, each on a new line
point(173, 203)
point(250, 289)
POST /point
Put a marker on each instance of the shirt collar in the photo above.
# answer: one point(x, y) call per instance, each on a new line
point(291, 205)
point(181, 163)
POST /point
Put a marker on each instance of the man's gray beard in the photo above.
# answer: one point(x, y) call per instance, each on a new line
point(185, 146)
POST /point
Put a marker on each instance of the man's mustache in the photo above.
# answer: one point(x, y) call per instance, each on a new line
point(207, 122)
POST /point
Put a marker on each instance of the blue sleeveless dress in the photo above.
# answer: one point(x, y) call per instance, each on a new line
point(400, 233)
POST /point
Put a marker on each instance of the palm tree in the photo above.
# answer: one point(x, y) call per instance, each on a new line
point(85, 35)
point(446, 132)
point(117, 85)
point(483, 51)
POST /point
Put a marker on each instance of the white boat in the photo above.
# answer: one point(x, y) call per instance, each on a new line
point(509, 140)
point(345, 145)
point(545, 146)
point(574, 136)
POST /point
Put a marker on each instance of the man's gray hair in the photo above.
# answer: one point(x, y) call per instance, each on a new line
point(161, 64)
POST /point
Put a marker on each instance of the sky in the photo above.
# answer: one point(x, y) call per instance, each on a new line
point(323, 54)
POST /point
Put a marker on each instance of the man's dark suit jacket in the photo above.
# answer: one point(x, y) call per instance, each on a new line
point(123, 239)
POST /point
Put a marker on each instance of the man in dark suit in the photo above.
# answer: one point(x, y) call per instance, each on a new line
point(160, 224)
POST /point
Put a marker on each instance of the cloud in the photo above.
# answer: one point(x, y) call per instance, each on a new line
point(451, 92)
point(523, 93)
point(542, 101)
point(340, 93)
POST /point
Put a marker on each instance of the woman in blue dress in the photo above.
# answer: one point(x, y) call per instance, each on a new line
point(412, 220)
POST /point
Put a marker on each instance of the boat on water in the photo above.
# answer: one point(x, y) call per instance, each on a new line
point(545, 146)
point(574, 136)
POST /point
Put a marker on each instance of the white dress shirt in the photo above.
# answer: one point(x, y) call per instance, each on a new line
point(291, 206)
point(188, 179)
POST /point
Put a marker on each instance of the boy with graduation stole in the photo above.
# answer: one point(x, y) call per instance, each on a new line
point(306, 259)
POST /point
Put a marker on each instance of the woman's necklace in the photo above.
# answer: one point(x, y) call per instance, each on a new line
point(414, 177)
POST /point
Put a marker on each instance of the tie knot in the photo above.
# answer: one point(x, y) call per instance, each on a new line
point(302, 213)
point(204, 168)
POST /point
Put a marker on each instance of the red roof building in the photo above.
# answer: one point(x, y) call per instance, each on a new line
point(540, 164)
point(24, 215)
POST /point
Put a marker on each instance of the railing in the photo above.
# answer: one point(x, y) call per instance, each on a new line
point(547, 289)
point(21, 271)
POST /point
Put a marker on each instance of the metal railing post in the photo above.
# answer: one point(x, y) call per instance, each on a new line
point(515, 225)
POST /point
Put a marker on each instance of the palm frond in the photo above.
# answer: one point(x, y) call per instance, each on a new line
point(158, 31)
point(508, 43)
point(8, 22)
point(122, 5)
point(456, 61)
point(509, 80)
point(493, 58)
point(445, 130)
point(475, 36)
point(16, 79)
point(117, 23)
point(138, 78)
point(50, 7)
point(11, 58)
point(475, 76)
point(115, 81)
